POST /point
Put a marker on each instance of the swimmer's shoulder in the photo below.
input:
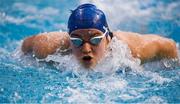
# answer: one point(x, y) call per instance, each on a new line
point(44, 44)
point(148, 46)
point(57, 38)
point(128, 37)
point(133, 40)
point(137, 37)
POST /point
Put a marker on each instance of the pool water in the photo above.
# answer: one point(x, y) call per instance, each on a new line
point(117, 79)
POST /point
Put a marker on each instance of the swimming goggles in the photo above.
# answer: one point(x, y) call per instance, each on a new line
point(94, 41)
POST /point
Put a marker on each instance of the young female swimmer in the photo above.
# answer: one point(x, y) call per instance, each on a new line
point(89, 36)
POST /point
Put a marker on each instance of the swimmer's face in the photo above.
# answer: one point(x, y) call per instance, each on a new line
point(87, 53)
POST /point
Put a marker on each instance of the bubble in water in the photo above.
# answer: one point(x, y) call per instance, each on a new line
point(155, 100)
point(16, 97)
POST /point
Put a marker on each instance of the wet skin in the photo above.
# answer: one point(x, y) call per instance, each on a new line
point(89, 55)
point(145, 47)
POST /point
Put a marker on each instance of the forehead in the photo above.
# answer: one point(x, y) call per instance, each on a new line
point(86, 31)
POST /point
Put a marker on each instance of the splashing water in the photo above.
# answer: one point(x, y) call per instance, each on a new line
point(118, 55)
point(118, 78)
point(122, 79)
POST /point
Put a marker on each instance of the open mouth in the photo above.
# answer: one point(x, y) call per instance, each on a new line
point(87, 58)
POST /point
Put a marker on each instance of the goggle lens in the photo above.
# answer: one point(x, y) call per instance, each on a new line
point(77, 42)
point(95, 41)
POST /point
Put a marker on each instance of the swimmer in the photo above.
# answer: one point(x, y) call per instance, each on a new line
point(88, 37)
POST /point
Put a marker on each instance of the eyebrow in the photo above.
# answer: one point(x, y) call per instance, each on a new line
point(74, 34)
point(93, 34)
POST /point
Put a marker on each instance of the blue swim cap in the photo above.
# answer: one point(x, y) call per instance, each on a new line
point(87, 16)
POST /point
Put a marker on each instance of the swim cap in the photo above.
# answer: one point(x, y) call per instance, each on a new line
point(87, 16)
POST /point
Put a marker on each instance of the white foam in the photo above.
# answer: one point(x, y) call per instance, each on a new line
point(79, 96)
point(126, 97)
point(118, 56)
point(155, 77)
point(155, 100)
point(109, 84)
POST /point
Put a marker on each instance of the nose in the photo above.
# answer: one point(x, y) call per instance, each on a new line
point(86, 48)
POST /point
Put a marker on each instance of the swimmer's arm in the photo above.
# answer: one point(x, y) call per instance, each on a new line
point(46, 43)
point(168, 48)
point(148, 47)
point(156, 48)
point(27, 45)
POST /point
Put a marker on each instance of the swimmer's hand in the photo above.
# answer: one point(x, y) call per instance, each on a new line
point(44, 44)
